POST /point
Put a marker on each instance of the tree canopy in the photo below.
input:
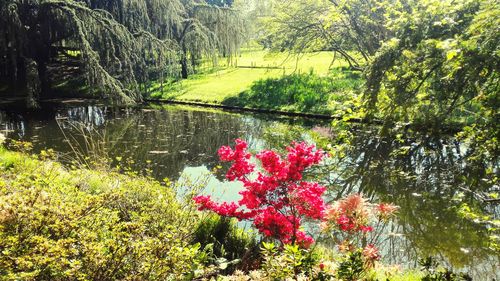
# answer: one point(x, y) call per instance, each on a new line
point(425, 61)
point(118, 45)
point(354, 29)
point(442, 64)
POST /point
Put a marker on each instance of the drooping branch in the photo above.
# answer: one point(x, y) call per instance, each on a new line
point(120, 45)
point(114, 59)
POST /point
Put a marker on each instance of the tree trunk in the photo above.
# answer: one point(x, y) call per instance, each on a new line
point(193, 63)
point(32, 84)
point(184, 67)
point(43, 78)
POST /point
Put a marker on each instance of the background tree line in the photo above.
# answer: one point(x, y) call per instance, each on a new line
point(423, 61)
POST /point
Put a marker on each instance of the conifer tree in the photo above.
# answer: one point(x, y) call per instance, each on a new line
point(119, 45)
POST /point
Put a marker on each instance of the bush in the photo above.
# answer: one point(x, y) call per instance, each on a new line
point(288, 262)
point(225, 238)
point(59, 224)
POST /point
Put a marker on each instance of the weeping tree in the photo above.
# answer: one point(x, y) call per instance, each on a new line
point(196, 28)
point(364, 23)
point(113, 57)
point(158, 17)
point(207, 31)
point(306, 26)
point(118, 45)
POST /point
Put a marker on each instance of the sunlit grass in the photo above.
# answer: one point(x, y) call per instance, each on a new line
point(251, 66)
point(215, 87)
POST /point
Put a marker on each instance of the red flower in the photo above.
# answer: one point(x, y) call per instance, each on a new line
point(370, 252)
point(241, 167)
point(366, 228)
point(277, 200)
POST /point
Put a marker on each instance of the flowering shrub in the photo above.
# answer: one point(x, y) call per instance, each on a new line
point(353, 214)
point(277, 200)
point(349, 221)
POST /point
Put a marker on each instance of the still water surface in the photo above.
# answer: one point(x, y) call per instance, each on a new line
point(421, 174)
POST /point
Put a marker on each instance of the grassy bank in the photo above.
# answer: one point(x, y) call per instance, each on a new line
point(312, 83)
point(307, 93)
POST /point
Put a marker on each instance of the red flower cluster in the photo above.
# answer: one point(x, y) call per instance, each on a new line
point(277, 199)
point(350, 214)
point(371, 254)
point(241, 167)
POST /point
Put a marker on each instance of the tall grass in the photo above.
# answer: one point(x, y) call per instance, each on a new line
point(88, 146)
point(299, 92)
point(225, 238)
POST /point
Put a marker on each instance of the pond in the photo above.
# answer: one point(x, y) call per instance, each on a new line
point(423, 174)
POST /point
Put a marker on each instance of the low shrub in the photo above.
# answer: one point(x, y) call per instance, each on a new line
point(225, 239)
point(290, 262)
point(60, 224)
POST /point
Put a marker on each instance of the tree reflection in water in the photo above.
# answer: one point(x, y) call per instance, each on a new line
point(428, 177)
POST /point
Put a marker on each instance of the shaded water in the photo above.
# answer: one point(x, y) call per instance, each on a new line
point(423, 175)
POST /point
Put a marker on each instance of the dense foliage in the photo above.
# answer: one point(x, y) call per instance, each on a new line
point(441, 66)
point(429, 63)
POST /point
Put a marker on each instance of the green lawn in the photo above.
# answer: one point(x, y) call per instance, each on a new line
point(251, 66)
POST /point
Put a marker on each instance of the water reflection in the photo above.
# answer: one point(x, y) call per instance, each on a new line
point(12, 124)
point(89, 116)
point(422, 174)
point(166, 139)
